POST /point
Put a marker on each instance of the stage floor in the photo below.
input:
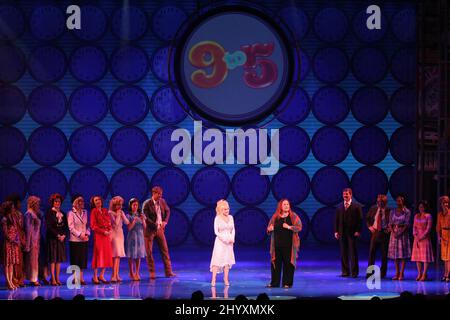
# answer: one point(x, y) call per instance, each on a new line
point(317, 275)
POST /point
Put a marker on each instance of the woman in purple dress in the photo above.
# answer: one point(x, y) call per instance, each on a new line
point(33, 238)
point(399, 245)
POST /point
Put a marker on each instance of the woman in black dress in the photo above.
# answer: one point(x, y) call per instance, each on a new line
point(56, 234)
point(284, 245)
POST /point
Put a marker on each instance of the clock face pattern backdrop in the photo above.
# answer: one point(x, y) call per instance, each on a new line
point(91, 111)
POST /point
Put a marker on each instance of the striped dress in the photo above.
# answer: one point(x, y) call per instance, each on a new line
point(422, 248)
point(399, 245)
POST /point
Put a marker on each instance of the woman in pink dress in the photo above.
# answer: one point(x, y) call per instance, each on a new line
point(223, 254)
point(422, 252)
point(101, 226)
point(117, 239)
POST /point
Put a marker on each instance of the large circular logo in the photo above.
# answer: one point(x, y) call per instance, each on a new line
point(233, 65)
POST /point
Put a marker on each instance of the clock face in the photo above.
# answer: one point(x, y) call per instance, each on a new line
point(366, 193)
point(209, 185)
point(47, 146)
point(12, 181)
point(252, 68)
point(291, 183)
point(203, 226)
point(89, 181)
point(330, 145)
point(369, 145)
point(12, 105)
point(178, 228)
point(166, 108)
point(46, 181)
point(88, 105)
point(250, 225)
point(14, 141)
point(129, 105)
point(249, 187)
point(174, 182)
point(130, 182)
point(88, 145)
point(47, 64)
point(129, 145)
point(322, 225)
point(327, 185)
point(47, 105)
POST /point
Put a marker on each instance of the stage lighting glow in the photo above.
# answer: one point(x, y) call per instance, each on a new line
point(370, 295)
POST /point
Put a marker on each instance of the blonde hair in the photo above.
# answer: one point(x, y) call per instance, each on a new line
point(114, 201)
point(219, 204)
point(33, 203)
point(441, 200)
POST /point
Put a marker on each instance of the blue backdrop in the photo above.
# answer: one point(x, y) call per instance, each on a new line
point(92, 111)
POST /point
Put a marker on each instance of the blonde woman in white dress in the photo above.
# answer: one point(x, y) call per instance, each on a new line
point(118, 218)
point(223, 255)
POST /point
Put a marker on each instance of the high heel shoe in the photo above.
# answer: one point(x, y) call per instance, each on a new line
point(95, 281)
point(103, 280)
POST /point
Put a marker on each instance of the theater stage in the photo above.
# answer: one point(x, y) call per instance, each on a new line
point(317, 276)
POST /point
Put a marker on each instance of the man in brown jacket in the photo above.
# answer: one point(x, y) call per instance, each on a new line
point(157, 213)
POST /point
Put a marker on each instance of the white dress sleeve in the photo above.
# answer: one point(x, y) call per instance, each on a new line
point(218, 233)
point(233, 231)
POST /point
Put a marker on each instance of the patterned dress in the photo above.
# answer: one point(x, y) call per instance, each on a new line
point(135, 246)
point(399, 245)
point(443, 229)
point(223, 254)
point(422, 248)
point(11, 244)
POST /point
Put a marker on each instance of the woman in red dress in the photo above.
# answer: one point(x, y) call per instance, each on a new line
point(101, 226)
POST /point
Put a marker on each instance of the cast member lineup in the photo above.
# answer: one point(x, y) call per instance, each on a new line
point(34, 244)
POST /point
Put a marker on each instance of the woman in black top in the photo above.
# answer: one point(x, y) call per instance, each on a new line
point(56, 234)
point(285, 242)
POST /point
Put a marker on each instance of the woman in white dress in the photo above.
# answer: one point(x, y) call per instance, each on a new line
point(117, 239)
point(223, 255)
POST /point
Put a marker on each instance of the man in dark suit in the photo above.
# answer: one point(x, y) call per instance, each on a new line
point(157, 213)
point(377, 220)
point(347, 230)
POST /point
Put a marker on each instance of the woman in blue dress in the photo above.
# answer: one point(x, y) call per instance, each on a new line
point(135, 246)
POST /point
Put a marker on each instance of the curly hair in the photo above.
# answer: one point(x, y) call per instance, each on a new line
point(54, 197)
point(114, 201)
point(219, 204)
point(442, 200)
point(6, 210)
point(33, 202)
